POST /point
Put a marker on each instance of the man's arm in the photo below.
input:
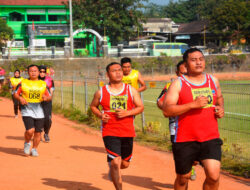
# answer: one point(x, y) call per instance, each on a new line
point(17, 95)
point(139, 107)
point(142, 83)
point(219, 108)
point(170, 107)
point(94, 107)
point(47, 96)
point(160, 99)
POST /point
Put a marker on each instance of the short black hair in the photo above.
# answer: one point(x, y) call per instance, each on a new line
point(33, 65)
point(179, 64)
point(191, 50)
point(109, 65)
point(125, 60)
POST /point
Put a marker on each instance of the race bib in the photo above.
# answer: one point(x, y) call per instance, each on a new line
point(118, 102)
point(204, 92)
point(34, 95)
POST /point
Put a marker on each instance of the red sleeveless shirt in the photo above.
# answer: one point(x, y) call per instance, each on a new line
point(197, 124)
point(119, 127)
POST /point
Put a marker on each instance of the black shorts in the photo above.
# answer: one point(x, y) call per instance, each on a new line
point(30, 123)
point(185, 153)
point(118, 146)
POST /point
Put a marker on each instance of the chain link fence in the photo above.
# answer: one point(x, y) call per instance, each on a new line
point(75, 89)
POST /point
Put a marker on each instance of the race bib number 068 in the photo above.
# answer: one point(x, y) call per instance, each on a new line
point(118, 102)
point(207, 92)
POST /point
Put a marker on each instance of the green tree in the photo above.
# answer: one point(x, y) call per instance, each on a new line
point(117, 19)
point(154, 11)
point(183, 10)
point(6, 33)
point(230, 17)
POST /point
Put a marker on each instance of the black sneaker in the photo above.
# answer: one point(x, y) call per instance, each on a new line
point(46, 138)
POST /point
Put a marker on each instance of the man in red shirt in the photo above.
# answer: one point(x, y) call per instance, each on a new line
point(120, 103)
point(197, 101)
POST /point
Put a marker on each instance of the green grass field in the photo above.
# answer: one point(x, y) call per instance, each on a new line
point(234, 127)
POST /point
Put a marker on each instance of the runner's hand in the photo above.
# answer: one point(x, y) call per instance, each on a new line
point(22, 101)
point(121, 113)
point(219, 111)
point(200, 102)
point(45, 98)
point(105, 117)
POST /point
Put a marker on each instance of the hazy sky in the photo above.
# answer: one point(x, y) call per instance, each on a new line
point(159, 2)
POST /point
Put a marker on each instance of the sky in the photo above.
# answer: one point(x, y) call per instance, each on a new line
point(159, 2)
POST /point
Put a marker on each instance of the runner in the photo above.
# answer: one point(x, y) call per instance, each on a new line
point(14, 81)
point(47, 105)
point(30, 93)
point(180, 70)
point(2, 77)
point(120, 103)
point(132, 76)
point(197, 101)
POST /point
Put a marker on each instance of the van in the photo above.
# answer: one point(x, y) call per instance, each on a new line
point(169, 49)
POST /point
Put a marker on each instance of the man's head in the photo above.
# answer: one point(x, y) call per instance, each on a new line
point(194, 60)
point(126, 65)
point(42, 69)
point(17, 73)
point(181, 68)
point(114, 72)
point(33, 71)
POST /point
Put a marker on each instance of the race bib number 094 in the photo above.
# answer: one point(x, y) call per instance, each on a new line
point(207, 92)
point(118, 102)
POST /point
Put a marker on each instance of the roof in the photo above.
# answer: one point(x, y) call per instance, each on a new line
point(31, 2)
point(159, 20)
point(194, 27)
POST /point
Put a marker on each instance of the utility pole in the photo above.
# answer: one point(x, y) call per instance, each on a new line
point(71, 29)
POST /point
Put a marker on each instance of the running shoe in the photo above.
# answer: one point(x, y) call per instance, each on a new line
point(27, 148)
point(34, 152)
point(193, 174)
point(46, 137)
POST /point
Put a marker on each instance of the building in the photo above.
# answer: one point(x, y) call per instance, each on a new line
point(159, 26)
point(36, 22)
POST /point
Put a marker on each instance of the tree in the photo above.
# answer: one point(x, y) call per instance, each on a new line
point(154, 11)
point(117, 19)
point(229, 17)
point(183, 11)
point(6, 33)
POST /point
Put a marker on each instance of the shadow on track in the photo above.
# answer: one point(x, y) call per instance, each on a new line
point(9, 116)
point(13, 151)
point(68, 185)
point(89, 148)
point(21, 138)
point(144, 182)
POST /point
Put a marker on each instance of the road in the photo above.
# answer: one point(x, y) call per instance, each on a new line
point(75, 159)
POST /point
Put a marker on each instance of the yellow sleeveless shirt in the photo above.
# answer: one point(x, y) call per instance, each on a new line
point(132, 79)
point(32, 91)
point(15, 81)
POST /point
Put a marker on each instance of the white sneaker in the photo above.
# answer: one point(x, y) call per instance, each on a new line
point(27, 148)
point(34, 152)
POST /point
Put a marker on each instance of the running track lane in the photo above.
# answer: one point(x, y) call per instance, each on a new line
point(76, 160)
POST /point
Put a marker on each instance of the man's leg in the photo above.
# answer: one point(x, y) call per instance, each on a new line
point(212, 171)
point(28, 134)
point(115, 172)
point(36, 139)
point(124, 164)
point(181, 181)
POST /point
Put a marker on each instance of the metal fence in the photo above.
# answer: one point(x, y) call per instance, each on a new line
point(72, 88)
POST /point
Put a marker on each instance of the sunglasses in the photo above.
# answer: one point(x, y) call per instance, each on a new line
point(42, 71)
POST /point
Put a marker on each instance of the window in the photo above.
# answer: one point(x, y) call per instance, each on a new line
point(53, 18)
point(36, 17)
point(16, 16)
point(80, 43)
point(55, 42)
